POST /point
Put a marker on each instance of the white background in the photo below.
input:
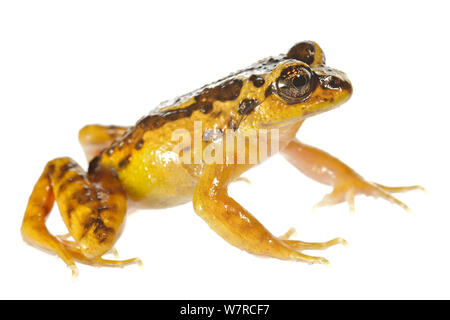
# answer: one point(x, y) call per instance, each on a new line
point(67, 64)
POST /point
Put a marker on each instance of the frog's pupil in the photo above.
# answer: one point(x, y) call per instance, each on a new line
point(299, 81)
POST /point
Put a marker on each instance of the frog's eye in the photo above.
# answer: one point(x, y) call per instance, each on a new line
point(295, 84)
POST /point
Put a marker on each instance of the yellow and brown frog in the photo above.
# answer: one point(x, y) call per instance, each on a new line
point(139, 165)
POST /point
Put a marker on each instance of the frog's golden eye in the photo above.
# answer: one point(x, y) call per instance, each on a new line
point(295, 84)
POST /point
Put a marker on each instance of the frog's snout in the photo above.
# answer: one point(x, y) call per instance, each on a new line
point(332, 85)
point(335, 80)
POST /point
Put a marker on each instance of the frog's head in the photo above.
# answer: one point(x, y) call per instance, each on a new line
point(299, 86)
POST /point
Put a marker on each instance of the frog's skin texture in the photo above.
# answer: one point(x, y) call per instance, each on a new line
point(136, 165)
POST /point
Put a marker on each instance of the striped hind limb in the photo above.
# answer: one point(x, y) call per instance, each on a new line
point(93, 208)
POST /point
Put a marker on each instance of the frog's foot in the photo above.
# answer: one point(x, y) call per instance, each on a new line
point(100, 262)
point(73, 249)
point(72, 245)
point(346, 192)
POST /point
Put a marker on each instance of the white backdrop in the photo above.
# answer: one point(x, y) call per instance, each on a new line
point(67, 64)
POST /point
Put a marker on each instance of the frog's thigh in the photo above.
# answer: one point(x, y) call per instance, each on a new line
point(93, 209)
point(235, 224)
point(329, 170)
point(94, 138)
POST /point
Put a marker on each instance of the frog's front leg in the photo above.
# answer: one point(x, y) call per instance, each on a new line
point(93, 207)
point(94, 138)
point(237, 226)
point(329, 170)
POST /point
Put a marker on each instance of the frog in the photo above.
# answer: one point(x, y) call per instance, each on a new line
point(143, 166)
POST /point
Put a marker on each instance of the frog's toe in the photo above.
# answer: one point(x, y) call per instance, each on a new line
point(243, 179)
point(65, 236)
point(75, 272)
point(288, 234)
point(400, 189)
point(301, 245)
point(337, 196)
point(115, 253)
point(378, 192)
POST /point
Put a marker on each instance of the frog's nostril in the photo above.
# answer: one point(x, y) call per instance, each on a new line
point(336, 83)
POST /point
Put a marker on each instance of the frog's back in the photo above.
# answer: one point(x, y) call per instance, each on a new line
point(143, 156)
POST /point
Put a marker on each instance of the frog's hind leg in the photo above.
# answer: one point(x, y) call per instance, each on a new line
point(346, 183)
point(93, 208)
point(34, 230)
point(94, 138)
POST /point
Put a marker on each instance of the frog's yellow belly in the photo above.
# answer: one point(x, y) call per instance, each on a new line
point(157, 179)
